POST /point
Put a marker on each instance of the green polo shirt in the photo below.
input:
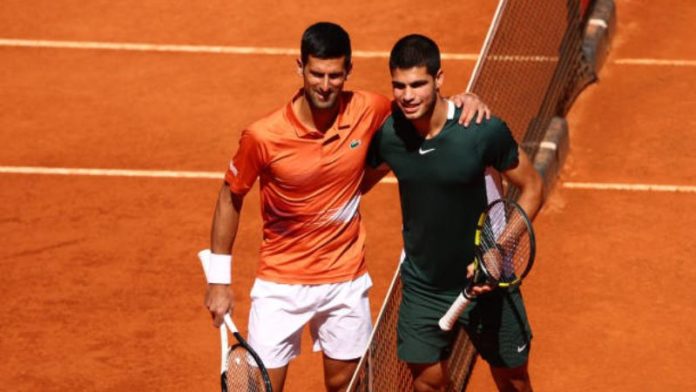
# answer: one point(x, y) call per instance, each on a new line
point(442, 191)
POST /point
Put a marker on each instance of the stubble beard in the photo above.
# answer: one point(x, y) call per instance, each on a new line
point(318, 104)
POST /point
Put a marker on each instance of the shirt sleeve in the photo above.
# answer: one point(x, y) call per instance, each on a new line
point(246, 165)
point(374, 158)
point(382, 110)
point(500, 146)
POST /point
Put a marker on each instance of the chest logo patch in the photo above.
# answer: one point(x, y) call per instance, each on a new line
point(423, 152)
point(354, 143)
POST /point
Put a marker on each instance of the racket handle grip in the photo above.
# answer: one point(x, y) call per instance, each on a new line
point(450, 318)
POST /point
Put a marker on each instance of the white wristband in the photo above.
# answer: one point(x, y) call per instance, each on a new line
point(219, 269)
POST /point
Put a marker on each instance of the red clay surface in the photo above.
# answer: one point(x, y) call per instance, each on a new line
point(101, 287)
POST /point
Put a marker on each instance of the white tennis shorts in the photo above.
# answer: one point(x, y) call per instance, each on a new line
point(338, 315)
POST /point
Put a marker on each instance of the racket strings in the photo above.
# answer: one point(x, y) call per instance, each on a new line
point(505, 244)
point(243, 373)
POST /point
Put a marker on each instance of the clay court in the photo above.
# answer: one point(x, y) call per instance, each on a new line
point(100, 283)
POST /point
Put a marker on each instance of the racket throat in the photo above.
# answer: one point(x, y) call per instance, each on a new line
point(468, 294)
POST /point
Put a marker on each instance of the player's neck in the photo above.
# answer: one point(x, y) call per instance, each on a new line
point(432, 123)
point(315, 118)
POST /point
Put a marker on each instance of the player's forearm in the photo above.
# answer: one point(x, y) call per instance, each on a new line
point(225, 221)
point(218, 297)
point(529, 182)
point(531, 194)
point(372, 177)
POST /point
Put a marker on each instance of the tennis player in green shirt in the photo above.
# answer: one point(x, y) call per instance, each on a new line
point(441, 166)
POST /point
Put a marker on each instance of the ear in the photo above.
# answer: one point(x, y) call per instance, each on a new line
point(299, 67)
point(349, 70)
point(439, 78)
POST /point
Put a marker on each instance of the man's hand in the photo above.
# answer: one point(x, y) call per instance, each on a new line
point(478, 289)
point(219, 301)
point(471, 106)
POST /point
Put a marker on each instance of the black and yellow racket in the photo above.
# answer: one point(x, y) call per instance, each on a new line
point(504, 253)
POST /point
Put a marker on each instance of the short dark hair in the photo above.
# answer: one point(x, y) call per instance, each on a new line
point(415, 50)
point(325, 40)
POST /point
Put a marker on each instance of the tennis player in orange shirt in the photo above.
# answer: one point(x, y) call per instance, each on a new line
point(309, 156)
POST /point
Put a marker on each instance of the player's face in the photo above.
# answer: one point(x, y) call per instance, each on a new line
point(415, 90)
point(324, 80)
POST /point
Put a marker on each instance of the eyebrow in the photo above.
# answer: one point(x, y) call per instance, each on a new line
point(415, 83)
point(330, 74)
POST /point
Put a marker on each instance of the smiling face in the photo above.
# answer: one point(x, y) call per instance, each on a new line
point(323, 80)
point(415, 91)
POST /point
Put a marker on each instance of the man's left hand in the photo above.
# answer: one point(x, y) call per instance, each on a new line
point(472, 106)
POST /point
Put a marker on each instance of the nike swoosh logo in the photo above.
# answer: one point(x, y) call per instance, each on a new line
point(423, 152)
point(521, 348)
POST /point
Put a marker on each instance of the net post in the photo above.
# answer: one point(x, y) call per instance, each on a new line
point(553, 150)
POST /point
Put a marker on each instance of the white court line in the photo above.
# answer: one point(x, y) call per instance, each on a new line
point(66, 171)
point(38, 170)
point(145, 47)
point(630, 187)
point(606, 186)
point(254, 50)
point(109, 172)
point(656, 62)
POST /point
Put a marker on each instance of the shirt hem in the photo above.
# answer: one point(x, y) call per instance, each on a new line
point(304, 281)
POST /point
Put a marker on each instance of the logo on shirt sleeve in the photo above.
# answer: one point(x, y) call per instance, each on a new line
point(233, 169)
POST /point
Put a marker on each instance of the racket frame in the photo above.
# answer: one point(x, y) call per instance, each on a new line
point(480, 265)
point(241, 342)
point(481, 274)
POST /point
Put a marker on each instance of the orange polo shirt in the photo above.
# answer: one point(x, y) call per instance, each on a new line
point(310, 189)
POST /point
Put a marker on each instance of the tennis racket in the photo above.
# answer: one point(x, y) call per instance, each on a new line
point(504, 253)
point(241, 368)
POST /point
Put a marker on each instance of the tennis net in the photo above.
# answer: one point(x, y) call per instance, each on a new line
point(528, 72)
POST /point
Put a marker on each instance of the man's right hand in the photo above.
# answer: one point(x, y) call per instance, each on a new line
point(477, 289)
point(219, 300)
